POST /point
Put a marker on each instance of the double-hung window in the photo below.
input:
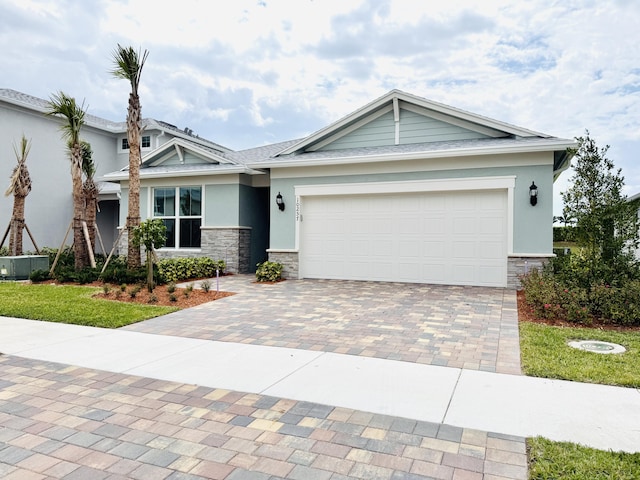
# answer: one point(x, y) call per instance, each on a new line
point(180, 209)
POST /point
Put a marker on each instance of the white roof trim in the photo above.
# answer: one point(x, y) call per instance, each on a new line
point(149, 173)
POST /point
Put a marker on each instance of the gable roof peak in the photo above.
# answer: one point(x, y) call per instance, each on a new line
point(438, 110)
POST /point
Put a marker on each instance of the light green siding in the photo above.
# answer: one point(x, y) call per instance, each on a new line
point(189, 159)
point(414, 128)
point(222, 205)
point(378, 132)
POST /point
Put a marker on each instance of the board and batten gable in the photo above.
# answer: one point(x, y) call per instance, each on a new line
point(413, 126)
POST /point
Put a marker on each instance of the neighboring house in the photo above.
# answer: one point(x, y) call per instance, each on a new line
point(49, 206)
point(403, 189)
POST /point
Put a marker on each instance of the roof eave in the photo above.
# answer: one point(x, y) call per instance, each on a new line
point(453, 152)
point(123, 176)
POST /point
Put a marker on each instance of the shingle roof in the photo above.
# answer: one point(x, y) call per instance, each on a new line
point(426, 148)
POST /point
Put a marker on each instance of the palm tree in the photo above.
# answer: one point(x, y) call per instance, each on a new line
point(19, 187)
point(90, 191)
point(65, 106)
point(128, 65)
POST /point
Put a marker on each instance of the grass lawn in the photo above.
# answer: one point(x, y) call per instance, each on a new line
point(71, 304)
point(568, 461)
point(545, 353)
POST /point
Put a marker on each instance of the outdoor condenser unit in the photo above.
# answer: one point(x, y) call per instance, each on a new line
point(19, 268)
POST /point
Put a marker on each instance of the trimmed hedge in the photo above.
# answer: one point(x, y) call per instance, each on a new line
point(175, 269)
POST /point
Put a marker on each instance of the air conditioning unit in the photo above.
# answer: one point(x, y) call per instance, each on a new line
point(20, 267)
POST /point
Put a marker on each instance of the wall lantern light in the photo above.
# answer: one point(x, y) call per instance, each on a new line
point(533, 194)
point(280, 202)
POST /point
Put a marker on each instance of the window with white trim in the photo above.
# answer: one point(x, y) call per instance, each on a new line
point(180, 208)
point(145, 143)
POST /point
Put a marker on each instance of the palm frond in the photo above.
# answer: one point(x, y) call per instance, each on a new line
point(20, 181)
point(63, 105)
point(128, 65)
point(88, 165)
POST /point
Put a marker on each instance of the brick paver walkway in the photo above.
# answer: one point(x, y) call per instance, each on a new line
point(464, 327)
point(59, 421)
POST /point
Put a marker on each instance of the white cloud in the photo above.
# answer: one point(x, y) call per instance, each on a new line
point(248, 72)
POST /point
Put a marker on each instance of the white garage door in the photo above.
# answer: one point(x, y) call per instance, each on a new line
point(454, 238)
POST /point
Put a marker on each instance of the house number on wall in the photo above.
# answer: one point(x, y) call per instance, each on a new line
point(298, 215)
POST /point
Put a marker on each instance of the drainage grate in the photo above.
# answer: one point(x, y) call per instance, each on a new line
point(597, 346)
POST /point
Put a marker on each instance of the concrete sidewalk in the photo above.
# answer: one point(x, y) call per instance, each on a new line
point(599, 416)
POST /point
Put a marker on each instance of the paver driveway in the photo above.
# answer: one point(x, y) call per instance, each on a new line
point(454, 326)
point(69, 422)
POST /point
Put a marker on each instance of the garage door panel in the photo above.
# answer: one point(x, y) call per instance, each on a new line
point(438, 237)
point(434, 249)
point(490, 250)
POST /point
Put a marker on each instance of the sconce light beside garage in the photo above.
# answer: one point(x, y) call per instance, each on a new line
point(280, 202)
point(533, 194)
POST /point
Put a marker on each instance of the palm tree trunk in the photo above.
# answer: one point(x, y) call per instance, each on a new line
point(90, 192)
point(134, 126)
point(79, 245)
point(17, 226)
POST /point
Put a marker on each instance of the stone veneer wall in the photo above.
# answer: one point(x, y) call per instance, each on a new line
point(231, 244)
point(289, 260)
point(517, 266)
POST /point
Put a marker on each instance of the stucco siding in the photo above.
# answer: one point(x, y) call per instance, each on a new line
point(222, 204)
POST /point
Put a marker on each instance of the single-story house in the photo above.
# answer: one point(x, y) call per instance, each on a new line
point(403, 189)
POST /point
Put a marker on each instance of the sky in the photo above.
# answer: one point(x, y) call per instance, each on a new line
point(246, 73)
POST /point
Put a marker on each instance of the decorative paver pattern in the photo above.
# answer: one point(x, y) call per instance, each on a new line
point(453, 326)
point(59, 421)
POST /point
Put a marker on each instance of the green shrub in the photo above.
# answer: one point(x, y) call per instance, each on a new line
point(551, 298)
point(135, 290)
point(87, 275)
point(118, 273)
point(617, 305)
point(564, 234)
point(175, 269)
point(269, 271)
point(171, 287)
point(205, 285)
point(39, 276)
